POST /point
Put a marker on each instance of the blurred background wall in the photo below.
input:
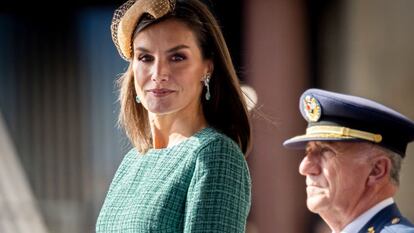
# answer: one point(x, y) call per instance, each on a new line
point(58, 96)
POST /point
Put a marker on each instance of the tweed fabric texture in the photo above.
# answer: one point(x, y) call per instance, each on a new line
point(199, 185)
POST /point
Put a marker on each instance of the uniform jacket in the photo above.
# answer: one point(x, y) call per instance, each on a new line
point(388, 220)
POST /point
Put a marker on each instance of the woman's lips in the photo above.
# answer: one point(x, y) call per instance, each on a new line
point(160, 92)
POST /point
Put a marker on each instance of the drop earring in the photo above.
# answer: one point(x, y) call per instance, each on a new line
point(137, 100)
point(207, 84)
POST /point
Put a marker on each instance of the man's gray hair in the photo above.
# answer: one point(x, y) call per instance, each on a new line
point(396, 161)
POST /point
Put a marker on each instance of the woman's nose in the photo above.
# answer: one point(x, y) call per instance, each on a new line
point(161, 71)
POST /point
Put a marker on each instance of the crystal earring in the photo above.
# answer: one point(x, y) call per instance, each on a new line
point(207, 84)
point(137, 100)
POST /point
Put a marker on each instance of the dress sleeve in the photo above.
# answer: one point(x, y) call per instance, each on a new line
point(218, 198)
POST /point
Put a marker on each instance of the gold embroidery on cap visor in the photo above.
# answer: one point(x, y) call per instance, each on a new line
point(337, 132)
point(395, 220)
point(371, 230)
point(312, 108)
point(126, 18)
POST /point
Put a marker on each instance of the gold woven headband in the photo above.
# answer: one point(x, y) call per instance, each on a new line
point(126, 18)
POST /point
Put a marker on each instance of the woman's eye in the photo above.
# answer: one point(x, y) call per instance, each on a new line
point(145, 58)
point(178, 57)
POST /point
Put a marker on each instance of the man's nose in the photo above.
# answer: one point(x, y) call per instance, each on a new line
point(309, 166)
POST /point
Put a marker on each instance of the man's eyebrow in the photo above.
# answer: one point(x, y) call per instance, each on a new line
point(320, 144)
point(324, 143)
point(308, 147)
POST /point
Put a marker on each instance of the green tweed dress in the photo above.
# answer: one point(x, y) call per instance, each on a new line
point(199, 185)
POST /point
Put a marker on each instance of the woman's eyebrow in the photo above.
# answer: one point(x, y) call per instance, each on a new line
point(173, 49)
point(178, 47)
point(142, 49)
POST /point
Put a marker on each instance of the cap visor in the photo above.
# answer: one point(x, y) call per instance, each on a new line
point(299, 142)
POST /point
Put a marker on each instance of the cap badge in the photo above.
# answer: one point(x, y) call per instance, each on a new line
point(312, 108)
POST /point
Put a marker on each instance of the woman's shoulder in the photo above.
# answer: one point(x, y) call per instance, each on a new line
point(214, 143)
point(210, 137)
point(220, 156)
point(128, 159)
point(130, 155)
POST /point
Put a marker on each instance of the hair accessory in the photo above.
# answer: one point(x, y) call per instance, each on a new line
point(126, 18)
point(137, 100)
point(207, 84)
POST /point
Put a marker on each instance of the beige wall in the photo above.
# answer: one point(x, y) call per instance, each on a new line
point(365, 48)
point(381, 66)
point(376, 60)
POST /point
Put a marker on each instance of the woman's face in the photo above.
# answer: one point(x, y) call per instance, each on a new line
point(169, 68)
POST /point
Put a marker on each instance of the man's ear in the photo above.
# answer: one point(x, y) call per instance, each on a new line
point(380, 170)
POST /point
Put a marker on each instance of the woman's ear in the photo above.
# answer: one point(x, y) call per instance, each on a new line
point(210, 66)
point(380, 170)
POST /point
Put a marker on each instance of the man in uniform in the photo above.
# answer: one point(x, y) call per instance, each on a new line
point(354, 148)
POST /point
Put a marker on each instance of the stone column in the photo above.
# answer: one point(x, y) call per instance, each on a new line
point(276, 67)
point(18, 209)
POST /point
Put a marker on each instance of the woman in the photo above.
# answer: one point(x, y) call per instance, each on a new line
point(183, 110)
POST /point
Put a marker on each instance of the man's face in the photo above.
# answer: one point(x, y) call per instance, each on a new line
point(336, 174)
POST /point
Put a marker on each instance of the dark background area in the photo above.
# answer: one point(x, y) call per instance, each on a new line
point(58, 98)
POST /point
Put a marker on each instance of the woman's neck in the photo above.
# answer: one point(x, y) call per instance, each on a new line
point(170, 129)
